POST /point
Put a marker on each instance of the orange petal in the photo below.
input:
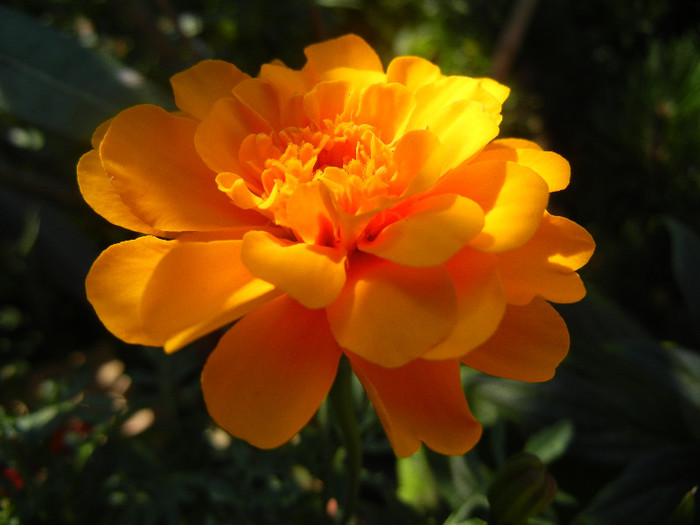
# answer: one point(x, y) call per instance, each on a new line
point(260, 98)
point(432, 230)
point(391, 314)
point(327, 100)
point(102, 196)
point(513, 198)
point(412, 72)
point(387, 108)
point(422, 401)
point(412, 154)
point(313, 275)
point(528, 345)
point(546, 265)
point(311, 213)
point(349, 51)
point(481, 303)
point(116, 284)
point(270, 372)
point(198, 88)
point(220, 135)
point(289, 86)
point(199, 287)
point(553, 168)
point(150, 155)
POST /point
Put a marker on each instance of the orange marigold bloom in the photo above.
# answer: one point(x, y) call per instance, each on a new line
point(337, 209)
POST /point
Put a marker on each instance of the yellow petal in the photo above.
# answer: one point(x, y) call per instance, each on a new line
point(328, 100)
point(391, 314)
point(220, 135)
point(313, 275)
point(553, 168)
point(387, 108)
point(199, 287)
point(481, 303)
point(149, 155)
point(198, 88)
point(431, 232)
point(497, 90)
point(528, 345)
point(412, 72)
point(99, 192)
point(349, 51)
point(513, 198)
point(116, 283)
point(270, 372)
point(546, 265)
point(422, 401)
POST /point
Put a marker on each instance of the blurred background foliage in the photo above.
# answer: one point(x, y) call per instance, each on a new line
point(94, 431)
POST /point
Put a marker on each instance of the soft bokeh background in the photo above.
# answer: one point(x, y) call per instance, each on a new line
point(95, 431)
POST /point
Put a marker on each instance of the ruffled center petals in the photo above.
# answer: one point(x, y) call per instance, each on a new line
point(198, 88)
point(513, 198)
point(546, 265)
point(116, 282)
point(530, 343)
point(99, 192)
point(422, 401)
point(348, 51)
point(553, 168)
point(270, 372)
point(431, 232)
point(391, 314)
point(327, 100)
point(150, 158)
point(313, 275)
point(199, 287)
point(481, 303)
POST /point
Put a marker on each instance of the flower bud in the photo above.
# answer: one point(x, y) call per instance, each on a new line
point(523, 489)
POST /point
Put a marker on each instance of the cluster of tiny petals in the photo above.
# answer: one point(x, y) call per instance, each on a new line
point(348, 158)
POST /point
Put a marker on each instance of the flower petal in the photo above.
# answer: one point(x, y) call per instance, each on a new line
point(553, 168)
point(528, 345)
point(349, 51)
point(197, 89)
point(412, 72)
point(99, 192)
point(421, 401)
point(481, 303)
point(327, 100)
point(270, 372)
point(150, 156)
point(433, 230)
point(219, 137)
point(116, 283)
point(546, 265)
point(513, 198)
point(199, 287)
point(391, 314)
point(313, 275)
point(387, 108)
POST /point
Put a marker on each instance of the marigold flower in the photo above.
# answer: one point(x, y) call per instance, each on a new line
point(337, 209)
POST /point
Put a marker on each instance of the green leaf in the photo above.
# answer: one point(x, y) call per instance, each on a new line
point(683, 515)
point(417, 486)
point(53, 82)
point(685, 253)
point(551, 442)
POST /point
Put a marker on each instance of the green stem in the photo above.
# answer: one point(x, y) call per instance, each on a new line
point(343, 406)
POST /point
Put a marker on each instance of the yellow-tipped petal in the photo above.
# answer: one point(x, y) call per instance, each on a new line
point(431, 232)
point(313, 275)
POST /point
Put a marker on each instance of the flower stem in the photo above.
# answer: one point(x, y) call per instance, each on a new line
point(343, 406)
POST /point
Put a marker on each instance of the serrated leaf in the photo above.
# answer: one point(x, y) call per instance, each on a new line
point(53, 82)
